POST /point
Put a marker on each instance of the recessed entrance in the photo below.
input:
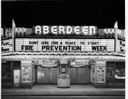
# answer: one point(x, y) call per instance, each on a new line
point(48, 75)
point(79, 75)
point(45, 75)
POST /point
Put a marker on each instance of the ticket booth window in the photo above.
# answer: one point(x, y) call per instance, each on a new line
point(63, 69)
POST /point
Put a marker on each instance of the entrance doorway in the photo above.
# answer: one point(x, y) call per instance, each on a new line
point(46, 75)
point(79, 75)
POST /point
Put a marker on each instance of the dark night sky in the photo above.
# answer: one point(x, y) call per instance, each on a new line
point(101, 13)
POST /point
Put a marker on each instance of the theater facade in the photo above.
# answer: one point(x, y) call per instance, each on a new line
point(85, 54)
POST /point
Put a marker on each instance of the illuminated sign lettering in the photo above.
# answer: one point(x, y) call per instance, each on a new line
point(6, 45)
point(99, 48)
point(27, 47)
point(121, 46)
point(86, 30)
point(112, 30)
point(109, 31)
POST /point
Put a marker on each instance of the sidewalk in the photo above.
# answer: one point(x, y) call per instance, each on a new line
point(74, 90)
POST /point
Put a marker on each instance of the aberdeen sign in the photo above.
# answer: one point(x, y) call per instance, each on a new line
point(85, 30)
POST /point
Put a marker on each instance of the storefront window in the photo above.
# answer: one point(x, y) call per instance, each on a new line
point(6, 70)
point(120, 70)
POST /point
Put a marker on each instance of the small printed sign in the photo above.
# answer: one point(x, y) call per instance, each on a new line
point(47, 62)
point(79, 62)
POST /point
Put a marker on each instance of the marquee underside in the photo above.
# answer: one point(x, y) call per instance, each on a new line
point(37, 55)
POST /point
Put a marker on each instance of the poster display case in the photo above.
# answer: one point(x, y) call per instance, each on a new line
point(100, 80)
point(26, 74)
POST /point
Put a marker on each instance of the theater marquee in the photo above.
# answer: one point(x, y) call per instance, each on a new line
point(64, 45)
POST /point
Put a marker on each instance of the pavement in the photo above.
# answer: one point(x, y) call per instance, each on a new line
point(74, 90)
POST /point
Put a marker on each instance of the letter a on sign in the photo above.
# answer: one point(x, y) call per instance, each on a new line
point(38, 29)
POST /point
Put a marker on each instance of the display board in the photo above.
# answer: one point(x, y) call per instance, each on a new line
point(100, 74)
point(26, 72)
point(64, 45)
